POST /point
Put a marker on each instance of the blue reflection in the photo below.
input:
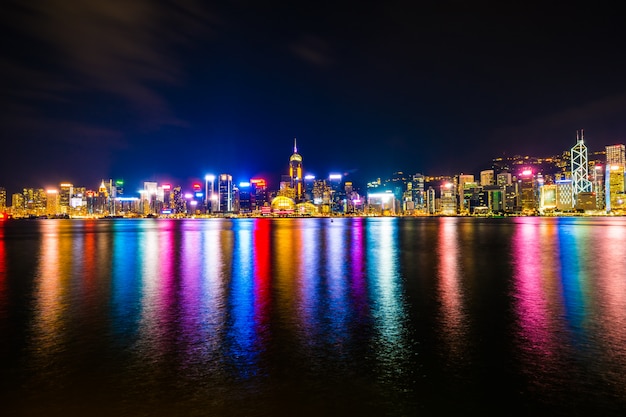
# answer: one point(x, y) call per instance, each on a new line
point(125, 280)
point(573, 276)
point(386, 295)
point(241, 336)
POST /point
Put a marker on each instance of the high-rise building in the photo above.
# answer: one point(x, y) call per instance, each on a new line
point(580, 168)
point(487, 177)
point(3, 199)
point(504, 179)
point(259, 189)
point(52, 202)
point(614, 178)
point(616, 155)
point(65, 195)
point(295, 172)
point(225, 193)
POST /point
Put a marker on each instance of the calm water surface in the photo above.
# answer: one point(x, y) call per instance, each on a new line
point(308, 317)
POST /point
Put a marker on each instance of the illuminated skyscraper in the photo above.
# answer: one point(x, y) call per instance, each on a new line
point(3, 199)
point(225, 193)
point(580, 168)
point(616, 155)
point(614, 178)
point(295, 172)
point(65, 195)
point(487, 177)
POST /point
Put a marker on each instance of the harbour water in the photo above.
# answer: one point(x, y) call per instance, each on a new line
point(308, 317)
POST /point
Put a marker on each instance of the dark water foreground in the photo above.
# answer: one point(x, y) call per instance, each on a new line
point(307, 317)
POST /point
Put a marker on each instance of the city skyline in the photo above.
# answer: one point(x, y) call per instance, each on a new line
point(177, 90)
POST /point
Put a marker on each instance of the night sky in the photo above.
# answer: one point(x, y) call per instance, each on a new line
point(170, 91)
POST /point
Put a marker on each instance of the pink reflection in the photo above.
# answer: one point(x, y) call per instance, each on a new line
point(358, 272)
point(610, 264)
point(537, 290)
point(156, 260)
point(454, 320)
point(189, 260)
point(3, 273)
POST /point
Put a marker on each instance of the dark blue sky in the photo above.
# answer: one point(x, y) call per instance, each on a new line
point(169, 91)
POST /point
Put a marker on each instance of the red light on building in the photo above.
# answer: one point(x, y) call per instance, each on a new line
point(197, 186)
point(258, 182)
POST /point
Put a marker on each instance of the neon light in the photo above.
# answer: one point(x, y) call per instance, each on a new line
point(244, 184)
point(527, 172)
point(196, 186)
point(167, 186)
point(309, 177)
point(259, 182)
point(188, 195)
point(335, 176)
point(199, 195)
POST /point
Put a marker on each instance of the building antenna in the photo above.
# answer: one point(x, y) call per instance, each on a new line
point(295, 148)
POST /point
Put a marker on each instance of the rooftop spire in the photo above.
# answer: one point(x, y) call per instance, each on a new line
point(295, 148)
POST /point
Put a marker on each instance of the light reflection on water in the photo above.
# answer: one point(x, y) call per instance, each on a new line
point(374, 316)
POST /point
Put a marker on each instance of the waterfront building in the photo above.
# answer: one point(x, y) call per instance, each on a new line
point(503, 179)
point(615, 198)
point(598, 186)
point(431, 201)
point(66, 190)
point(615, 155)
point(3, 199)
point(295, 173)
point(245, 198)
point(259, 189)
point(225, 193)
point(495, 198)
point(579, 167)
point(564, 195)
point(52, 202)
point(149, 197)
point(528, 192)
point(487, 177)
point(547, 198)
point(448, 198)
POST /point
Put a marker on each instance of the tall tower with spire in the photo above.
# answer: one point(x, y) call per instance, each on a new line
point(295, 172)
point(580, 167)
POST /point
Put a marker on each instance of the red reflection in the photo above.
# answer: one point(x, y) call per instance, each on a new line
point(261, 239)
point(89, 256)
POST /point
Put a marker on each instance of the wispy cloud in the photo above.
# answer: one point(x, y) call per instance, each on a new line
point(122, 49)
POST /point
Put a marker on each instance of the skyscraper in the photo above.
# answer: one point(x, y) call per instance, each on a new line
point(580, 168)
point(614, 178)
point(295, 172)
point(616, 155)
point(225, 193)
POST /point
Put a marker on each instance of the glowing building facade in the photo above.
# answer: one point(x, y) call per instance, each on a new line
point(295, 172)
point(579, 166)
point(614, 178)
